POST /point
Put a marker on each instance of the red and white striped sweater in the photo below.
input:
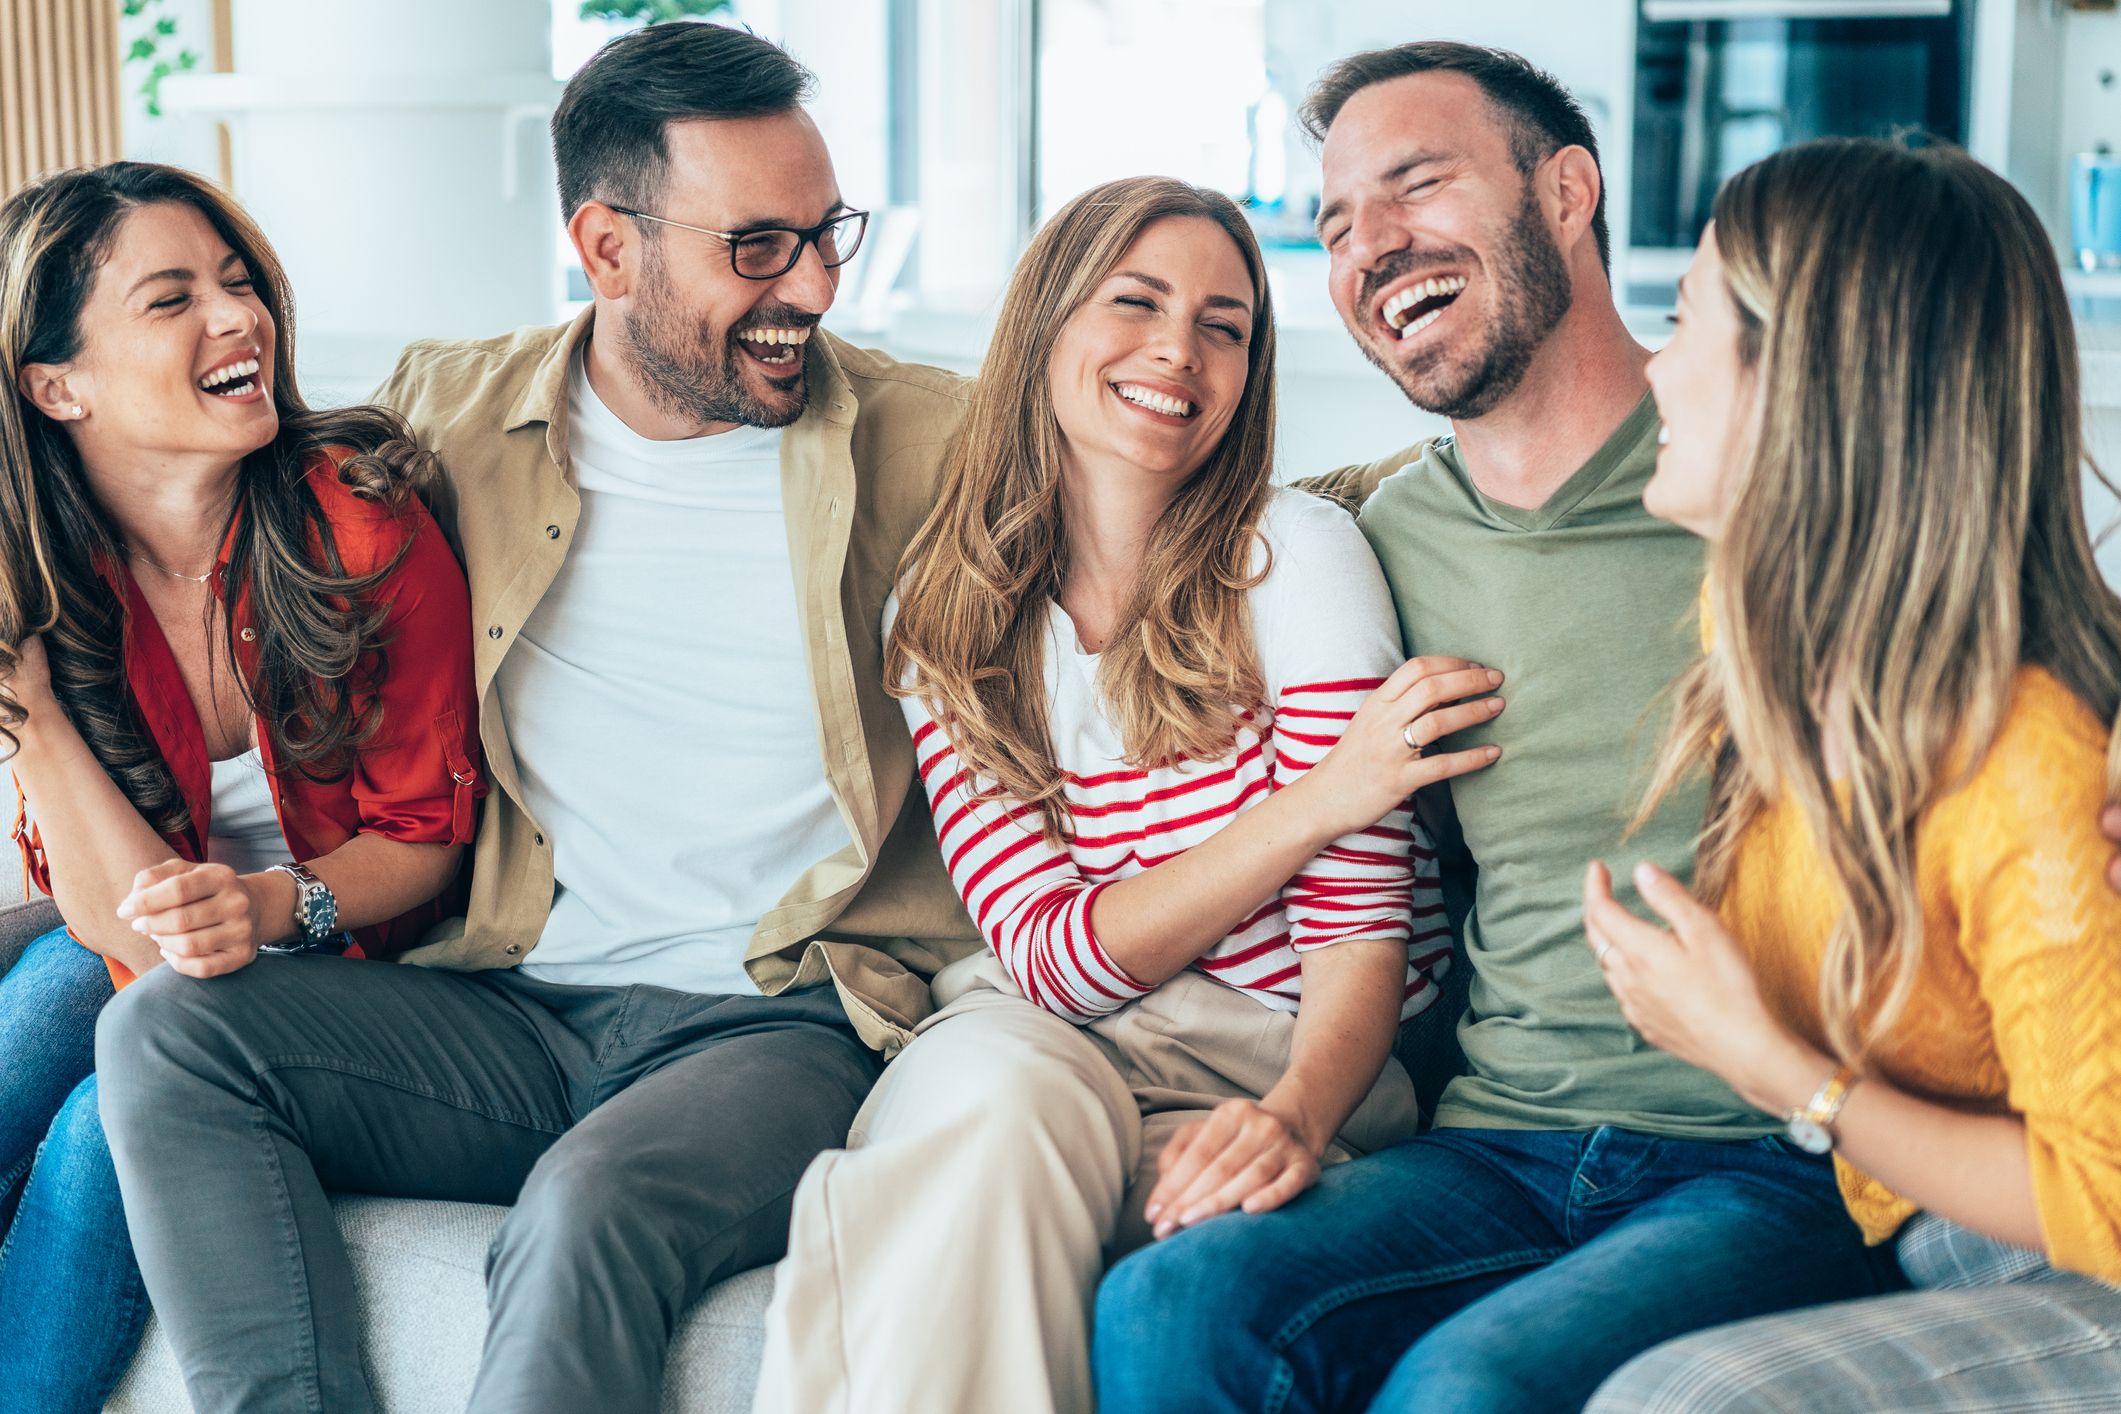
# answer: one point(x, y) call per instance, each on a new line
point(1326, 633)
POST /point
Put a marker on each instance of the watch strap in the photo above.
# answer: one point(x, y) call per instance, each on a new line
point(1824, 1108)
point(316, 909)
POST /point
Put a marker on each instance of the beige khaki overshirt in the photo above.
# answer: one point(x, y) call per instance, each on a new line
point(859, 472)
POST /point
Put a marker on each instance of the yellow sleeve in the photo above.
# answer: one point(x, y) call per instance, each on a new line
point(2043, 931)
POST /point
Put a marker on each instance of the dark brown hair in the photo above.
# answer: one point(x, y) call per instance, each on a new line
point(607, 133)
point(1541, 116)
point(314, 631)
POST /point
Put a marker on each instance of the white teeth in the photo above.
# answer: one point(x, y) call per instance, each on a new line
point(776, 336)
point(1154, 401)
point(1414, 294)
point(1408, 331)
point(241, 369)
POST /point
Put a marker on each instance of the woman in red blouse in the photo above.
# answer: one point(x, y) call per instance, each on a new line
point(235, 687)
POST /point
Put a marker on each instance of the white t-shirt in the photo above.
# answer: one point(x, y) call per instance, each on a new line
point(246, 825)
point(661, 711)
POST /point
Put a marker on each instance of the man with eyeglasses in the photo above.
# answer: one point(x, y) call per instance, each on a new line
point(705, 895)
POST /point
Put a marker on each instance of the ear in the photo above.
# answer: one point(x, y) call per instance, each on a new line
point(47, 386)
point(609, 248)
point(1574, 186)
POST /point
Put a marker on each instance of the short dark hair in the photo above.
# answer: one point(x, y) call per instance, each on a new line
point(607, 133)
point(1541, 115)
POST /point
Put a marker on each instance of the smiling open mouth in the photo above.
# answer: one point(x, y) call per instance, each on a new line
point(1419, 305)
point(1154, 401)
point(777, 349)
point(233, 380)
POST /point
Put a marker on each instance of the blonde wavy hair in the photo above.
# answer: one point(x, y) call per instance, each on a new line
point(1909, 530)
point(976, 582)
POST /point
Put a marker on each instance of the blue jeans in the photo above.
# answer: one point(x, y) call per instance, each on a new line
point(71, 1303)
point(1475, 1269)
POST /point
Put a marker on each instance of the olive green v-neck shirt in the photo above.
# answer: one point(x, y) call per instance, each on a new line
point(1588, 606)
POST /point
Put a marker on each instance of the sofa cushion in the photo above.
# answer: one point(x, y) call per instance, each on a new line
point(420, 1269)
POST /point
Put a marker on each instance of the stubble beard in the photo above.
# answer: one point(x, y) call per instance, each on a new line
point(1530, 281)
point(693, 372)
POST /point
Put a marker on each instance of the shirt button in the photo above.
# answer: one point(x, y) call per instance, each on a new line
point(537, 840)
point(834, 508)
point(552, 532)
point(249, 635)
point(494, 632)
point(512, 949)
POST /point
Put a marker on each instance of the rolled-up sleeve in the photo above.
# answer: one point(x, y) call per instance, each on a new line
point(419, 779)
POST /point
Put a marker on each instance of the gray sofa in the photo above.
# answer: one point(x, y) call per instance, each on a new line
point(420, 1267)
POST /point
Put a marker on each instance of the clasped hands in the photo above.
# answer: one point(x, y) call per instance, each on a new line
point(203, 917)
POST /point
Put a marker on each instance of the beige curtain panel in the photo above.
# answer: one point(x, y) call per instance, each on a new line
point(58, 86)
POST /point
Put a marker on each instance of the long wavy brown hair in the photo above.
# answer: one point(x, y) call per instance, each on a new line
point(318, 641)
point(1909, 530)
point(977, 580)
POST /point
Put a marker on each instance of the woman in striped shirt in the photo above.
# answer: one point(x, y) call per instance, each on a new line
point(1167, 739)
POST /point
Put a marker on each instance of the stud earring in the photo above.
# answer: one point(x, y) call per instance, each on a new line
point(77, 411)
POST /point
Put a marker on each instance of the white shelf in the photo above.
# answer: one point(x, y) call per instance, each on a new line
point(323, 89)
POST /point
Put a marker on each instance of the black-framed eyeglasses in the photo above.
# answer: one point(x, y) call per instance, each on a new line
point(769, 252)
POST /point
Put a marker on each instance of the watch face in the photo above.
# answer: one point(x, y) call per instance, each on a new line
point(320, 911)
point(1809, 1135)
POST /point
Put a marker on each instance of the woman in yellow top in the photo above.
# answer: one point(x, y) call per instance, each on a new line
point(1899, 937)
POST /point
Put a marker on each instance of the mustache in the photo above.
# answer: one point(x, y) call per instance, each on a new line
point(1402, 263)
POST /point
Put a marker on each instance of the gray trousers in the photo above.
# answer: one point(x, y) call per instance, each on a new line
point(1988, 1327)
point(649, 1140)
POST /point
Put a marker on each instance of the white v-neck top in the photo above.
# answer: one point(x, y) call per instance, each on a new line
point(245, 826)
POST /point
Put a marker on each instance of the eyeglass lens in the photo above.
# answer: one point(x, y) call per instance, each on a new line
point(761, 255)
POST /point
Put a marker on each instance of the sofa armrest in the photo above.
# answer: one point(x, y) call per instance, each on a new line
point(21, 922)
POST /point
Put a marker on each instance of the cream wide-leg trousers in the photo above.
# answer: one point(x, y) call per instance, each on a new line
point(945, 1261)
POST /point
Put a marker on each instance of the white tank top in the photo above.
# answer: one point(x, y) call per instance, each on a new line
point(246, 829)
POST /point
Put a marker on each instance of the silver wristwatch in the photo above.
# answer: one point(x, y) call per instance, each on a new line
point(316, 913)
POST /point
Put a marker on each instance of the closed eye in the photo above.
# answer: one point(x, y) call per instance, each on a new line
point(1229, 331)
point(1136, 301)
point(169, 302)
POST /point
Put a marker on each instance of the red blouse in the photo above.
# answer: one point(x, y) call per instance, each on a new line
point(417, 780)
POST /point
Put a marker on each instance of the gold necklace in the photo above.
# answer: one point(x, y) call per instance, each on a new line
point(146, 559)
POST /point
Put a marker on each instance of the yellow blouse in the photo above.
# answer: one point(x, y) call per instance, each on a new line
point(2017, 1007)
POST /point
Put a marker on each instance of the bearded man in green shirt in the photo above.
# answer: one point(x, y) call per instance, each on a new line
point(1582, 1196)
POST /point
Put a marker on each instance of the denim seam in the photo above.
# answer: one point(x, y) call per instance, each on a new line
point(1308, 1315)
point(390, 1080)
point(615, 1037)
point(308, 1378)
point(1284, 1379)
point(22, 1175)
point(27, 1176)
point(131, 1318)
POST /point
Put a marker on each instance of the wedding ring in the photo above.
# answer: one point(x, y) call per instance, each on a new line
point(1600, 950)
point(1406, 734)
